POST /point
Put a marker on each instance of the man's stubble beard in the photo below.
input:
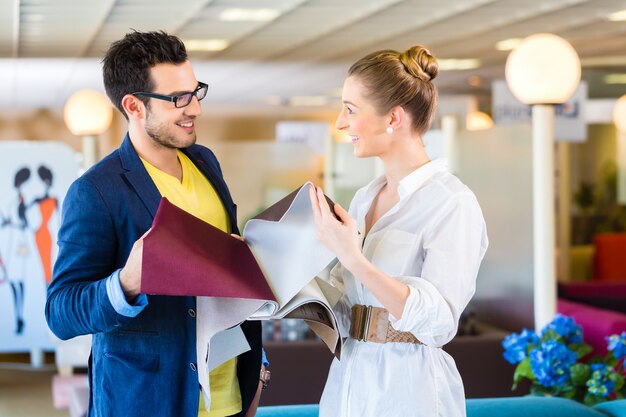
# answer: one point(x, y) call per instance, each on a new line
point(160, 135)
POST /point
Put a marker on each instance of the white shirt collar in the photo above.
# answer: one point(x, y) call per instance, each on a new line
point(411, 182)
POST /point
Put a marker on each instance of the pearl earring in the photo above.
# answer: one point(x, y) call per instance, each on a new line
point(390, 130)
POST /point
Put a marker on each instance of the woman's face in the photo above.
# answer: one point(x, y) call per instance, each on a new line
point(360, 120)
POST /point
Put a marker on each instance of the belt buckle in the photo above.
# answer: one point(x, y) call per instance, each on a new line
point(366, 324)
point(361, 317)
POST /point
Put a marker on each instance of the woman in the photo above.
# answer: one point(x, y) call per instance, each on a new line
point(43, 238)
point(409, 249)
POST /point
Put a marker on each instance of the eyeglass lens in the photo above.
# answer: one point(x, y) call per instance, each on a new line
point(184, 99)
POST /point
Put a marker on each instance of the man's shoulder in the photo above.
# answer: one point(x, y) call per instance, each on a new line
point(106, 166)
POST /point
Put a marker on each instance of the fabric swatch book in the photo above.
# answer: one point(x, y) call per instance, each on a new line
point(274, 272)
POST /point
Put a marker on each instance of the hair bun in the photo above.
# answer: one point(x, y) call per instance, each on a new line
point(420, 63)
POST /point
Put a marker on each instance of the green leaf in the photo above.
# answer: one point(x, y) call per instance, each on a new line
point(522, 370)
point(619, 382)
point(580, 373)
point(581, 349)
point(591, 399)
point(551, 335)
point(539, 390)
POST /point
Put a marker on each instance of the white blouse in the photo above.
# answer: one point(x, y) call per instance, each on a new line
point(433, 240)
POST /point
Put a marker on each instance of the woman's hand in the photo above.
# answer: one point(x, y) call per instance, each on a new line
point(339, 234)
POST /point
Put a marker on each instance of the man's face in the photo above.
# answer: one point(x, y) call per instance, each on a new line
point(165, 124)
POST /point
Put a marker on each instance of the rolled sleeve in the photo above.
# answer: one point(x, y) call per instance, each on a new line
point(118, 299)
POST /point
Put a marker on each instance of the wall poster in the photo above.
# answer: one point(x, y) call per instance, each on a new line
point(34, 178)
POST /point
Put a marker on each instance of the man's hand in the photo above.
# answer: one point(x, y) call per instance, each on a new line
point(130, 275)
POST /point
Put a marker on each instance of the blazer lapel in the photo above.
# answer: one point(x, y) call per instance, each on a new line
point(138, 177)
point(218, 183)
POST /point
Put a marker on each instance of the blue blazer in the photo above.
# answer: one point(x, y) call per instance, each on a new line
point(146, 365)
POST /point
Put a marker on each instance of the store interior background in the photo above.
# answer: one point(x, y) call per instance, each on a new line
point(286, 63)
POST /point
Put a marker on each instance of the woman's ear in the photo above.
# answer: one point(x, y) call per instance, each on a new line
point(133, 107)
point(397, 117)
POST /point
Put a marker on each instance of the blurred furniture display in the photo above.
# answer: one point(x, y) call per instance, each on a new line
point(607, 287)
point(609, 260)
point(597, 323)
point(299, 369)
point(490, 407)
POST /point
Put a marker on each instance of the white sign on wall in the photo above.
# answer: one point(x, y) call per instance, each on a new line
point(34, 178)
point(309, 133)
point(569, 125)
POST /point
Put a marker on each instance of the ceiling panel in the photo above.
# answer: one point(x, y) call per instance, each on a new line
point(305, 50)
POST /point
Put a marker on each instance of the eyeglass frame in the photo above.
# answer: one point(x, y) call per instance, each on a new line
point(174, 99)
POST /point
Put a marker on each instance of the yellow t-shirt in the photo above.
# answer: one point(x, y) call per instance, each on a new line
point(196, 195)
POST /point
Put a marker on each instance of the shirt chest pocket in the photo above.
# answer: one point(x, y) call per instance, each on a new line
point(394, 250)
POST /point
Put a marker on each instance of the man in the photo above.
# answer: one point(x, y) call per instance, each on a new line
point(143, 360)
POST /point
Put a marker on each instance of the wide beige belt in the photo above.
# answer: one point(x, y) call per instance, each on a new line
point(371, 324)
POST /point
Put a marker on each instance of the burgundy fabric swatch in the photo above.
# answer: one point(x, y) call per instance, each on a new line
point(183, 255)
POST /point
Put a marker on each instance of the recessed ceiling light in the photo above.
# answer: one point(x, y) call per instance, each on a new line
point(206, 44)
point(452, 64)
point(615, 79)
point(508, 44)
point(249, 15)
point(618, 16)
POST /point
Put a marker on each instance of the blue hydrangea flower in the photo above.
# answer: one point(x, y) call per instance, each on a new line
point(566, 327)
point(516, 344)
point(551, 363)
point(602, 381)
point(617, 344)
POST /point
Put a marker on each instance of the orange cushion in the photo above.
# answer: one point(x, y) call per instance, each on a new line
point(609, 259)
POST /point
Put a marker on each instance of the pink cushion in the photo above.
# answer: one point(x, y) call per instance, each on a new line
point(597, 324)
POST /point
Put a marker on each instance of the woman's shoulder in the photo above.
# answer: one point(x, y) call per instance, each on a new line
point(449, 187)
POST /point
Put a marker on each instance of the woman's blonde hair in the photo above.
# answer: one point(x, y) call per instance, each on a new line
point(403, 79)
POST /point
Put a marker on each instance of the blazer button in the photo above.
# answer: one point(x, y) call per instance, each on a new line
point(191, 312)
point(192, 366)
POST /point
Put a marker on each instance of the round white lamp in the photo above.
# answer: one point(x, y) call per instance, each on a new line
point(542, 71)
point(619, 118)
point(88, 114)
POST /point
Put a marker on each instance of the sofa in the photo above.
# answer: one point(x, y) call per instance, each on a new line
point(606, 286)
point(597, 323)
point(490, 407)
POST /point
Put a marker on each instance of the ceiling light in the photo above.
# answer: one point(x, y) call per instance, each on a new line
point(508, 44)
point(206, 44)
point(249, 15)
point(604, 61)
point(618, 16)
point(303, 101)
point(453, 64)
point(615, 79)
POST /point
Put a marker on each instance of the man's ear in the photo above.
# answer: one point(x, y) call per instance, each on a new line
point(133, 107)
point(397, 117)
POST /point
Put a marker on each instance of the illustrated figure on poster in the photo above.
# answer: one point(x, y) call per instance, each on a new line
point(19, 250)
point(48, 207)
point(3, 269)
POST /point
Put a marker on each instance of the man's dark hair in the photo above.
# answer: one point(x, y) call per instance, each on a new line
point(127, 63)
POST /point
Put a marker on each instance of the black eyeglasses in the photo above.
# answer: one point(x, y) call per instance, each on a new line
point(180, 100)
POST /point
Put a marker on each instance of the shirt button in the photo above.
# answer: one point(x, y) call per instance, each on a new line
point(191, 312)
point(192, 366)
